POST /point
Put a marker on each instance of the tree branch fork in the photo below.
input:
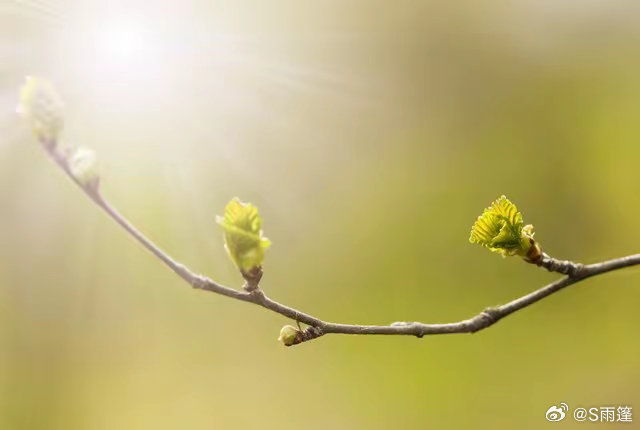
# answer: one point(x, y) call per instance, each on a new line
point(252, 293)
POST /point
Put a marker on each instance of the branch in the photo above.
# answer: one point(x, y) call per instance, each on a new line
point(253, 294)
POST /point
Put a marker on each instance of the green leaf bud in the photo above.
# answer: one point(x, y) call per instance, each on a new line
point(501, 229)
point(289, 335)
point(243, 235)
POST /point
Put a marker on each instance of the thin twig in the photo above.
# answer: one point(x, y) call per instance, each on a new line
point(575, 272)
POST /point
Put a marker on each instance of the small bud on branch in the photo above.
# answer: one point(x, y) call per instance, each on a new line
point(83, 167)
point(289, 335)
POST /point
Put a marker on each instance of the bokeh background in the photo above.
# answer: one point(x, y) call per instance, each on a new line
point(370, 134)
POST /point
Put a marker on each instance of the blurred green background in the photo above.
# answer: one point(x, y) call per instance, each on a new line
point(370, 134)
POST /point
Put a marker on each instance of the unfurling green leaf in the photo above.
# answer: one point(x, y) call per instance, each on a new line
point(243, 235)
point(41, 105)
point(501, 229)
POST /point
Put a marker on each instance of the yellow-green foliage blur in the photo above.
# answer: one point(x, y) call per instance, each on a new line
point(370, 134)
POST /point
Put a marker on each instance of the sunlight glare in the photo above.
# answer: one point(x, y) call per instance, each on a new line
point(120, 42)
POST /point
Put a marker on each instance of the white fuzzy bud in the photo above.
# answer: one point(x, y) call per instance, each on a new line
point(41, 105)
point(83, 165)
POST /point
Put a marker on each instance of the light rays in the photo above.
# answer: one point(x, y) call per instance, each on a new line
point(165, 85)
point(47, 11)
